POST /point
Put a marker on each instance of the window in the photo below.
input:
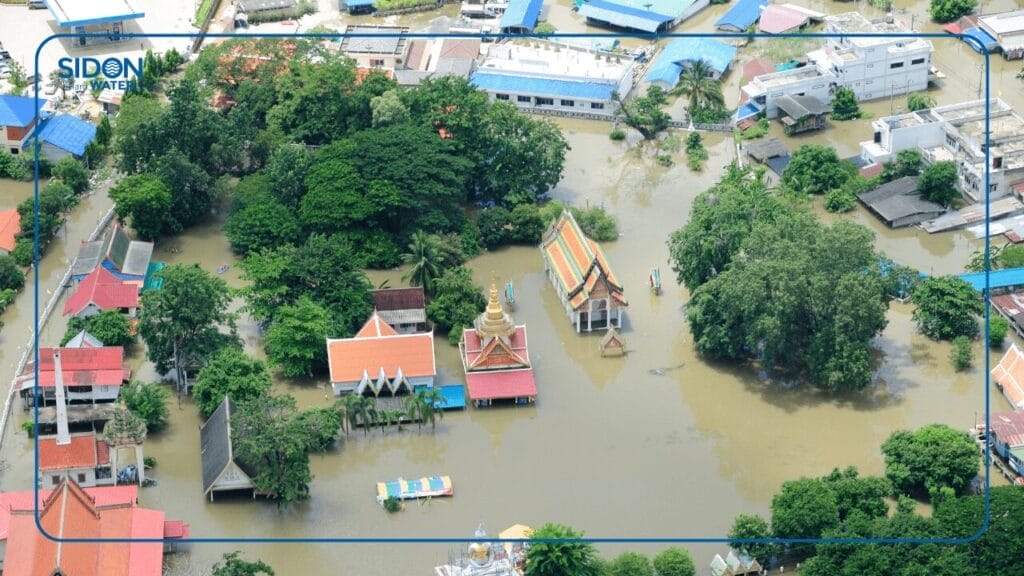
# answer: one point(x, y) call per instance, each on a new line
point(501, 96)
point(993, 188)
point(895, 65)
point(597, 105)
point(81, 478)
point(871, 65)
point(545, 101)
point(917, 61)
point(15, 151)
point(376, 62)
point(569, 103)
point(951, 142)
point(55, 480)
point(523, 99)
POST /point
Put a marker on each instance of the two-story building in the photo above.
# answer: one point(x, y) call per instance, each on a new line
point(873, 67)
point(1007, 437)
point(17, 119)
point(90, 375)
point(388, 49)
point(957, 133)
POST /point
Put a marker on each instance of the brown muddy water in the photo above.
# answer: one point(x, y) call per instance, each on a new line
point(659, 443)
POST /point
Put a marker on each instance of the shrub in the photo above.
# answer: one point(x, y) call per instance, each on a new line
point(674, 562)
point(664, 160)
point(392, 504)
point(24, 252)
point(961, 354)
point(840, 200)
point(29, 427)
point(617, 134)
point(844, 105)
point(149, 462)
point(596, 223)
point(997, 328)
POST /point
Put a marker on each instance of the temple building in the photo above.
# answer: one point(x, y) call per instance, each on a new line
point(378, 361)
point(585, 284)
point(495, 357)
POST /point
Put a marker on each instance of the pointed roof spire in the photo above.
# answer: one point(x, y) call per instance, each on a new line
point(494, 321)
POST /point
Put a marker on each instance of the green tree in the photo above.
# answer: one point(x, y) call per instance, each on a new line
point(190, 186)
point(998, 326)
point(314, 101)
point(815, 169)
point(233, 374)
point(919, 101)
point(930, 458)
point(149, 402)
point(71, 172)
point(946, 307)
point(844, 105)
point(287, 169)
point(323, 425)
point(181, 323)
point(111, 327)
point(495, 225)
point(268, 435)
point(907, 163)
point(458, 301)
point(1001, 545)
point(859, 495)
point(295, 339)
point(630, 564)
point(697, 84)
point(524, 158)
point(804, 508)
point(840, 200)
point(750, 527)
point(261, 222)
point(137, 139)
point(644, 113)
point(104, 131)
point(527, 224)
point(674, 562)
point(596, 223)
point(949, 10)
point(544, 29)
point(234, 566)
point(961, 353)
point(11, 276)
point(388, 108)
point(54, 200)
point(143, 202)
point(423, 259)
point(938, 182)
point(559, 558)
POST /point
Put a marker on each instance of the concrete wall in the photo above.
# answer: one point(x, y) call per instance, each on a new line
point(528, 101)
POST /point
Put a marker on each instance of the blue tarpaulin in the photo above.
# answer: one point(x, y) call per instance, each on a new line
point(989, 43)
point(742, 15)
point(521, 14)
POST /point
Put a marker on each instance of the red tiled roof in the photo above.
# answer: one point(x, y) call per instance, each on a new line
point(1008, 375)
point(174, 529)
point(103, 366)
point(1009, 427)
point(80, 453)
point(103, 496)
point(398, 299)
point(474, 347)
point(70, 511)
point(10, 226)
point(377, 346)
point(501, 384)
point(779, 19)
point(104, 290)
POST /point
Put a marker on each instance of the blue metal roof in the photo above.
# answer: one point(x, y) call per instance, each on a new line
point(624, 16)
point(68, 133)
point(504, 82)
point(354, 3)
point(983, 37)
point(521, 14)
point(677, 53)
point(996, 278)
point(112, 268)
point(17, 110)
point(742, 15)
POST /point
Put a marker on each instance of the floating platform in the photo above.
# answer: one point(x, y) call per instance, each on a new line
point(427, 487)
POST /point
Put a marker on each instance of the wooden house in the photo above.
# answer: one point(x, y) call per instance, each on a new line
point(90, 375)
point(589, 291)
point(100, 290)
point(221, 470)
point(801, 113)
point(404, 309)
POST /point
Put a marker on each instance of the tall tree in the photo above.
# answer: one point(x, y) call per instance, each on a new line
point(144, 202)
point(423, 260)
point(804, 508)
point(71, 172)
point(268, 435)
point(946, 307)
point(644, 113)
point(295, 339)
point(930, 458)
point(949, 10)
point(815, 169)
point(559, 558)
point(752, 527)
point(698, 85)
point(458, 301)
point(388, 109)
point(314, 101)
point(149, 402)
point(232, 374)
point(287, 169)
point(233, 565)
point(190, 187)
point(524, 157)
point(938, 182)
point(674, 562)
point(181, 323)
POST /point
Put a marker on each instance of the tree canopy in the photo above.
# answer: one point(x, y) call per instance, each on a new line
point(559, 558)
point(946, 307)
point(815, 169)
point(938, 182)
point(230, 374)
point(149, 402)
point(458, 301)
point(233, 565)
point(295, 338)
point(844, 105)
point(949, 10)
point(269, 436)
point(930, 458)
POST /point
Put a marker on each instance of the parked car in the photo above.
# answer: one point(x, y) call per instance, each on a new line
point(36, 5)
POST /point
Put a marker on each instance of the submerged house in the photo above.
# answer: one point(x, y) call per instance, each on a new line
point(899, 203)
point(801, 113)
point(404, 309)
point(64, 135)
point(585, 283)
point(1007, 437)
point(89, 374)
point(642, 16)
point(1008, 376)
point(100, 291)
point(495, 357)
point(221, 470)
point(378, 361)
point(126, 259)
point(85, 459)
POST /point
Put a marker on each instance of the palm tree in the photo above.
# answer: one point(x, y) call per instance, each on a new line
point(696, 83)
point(413, 409)
point(346, 406)
point(425, 259)
point(363, 411)
point(429, 399)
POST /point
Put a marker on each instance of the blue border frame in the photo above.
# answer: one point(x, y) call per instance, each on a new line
point(452, 540)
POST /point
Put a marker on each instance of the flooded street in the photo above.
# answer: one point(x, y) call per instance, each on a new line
point(657, 444)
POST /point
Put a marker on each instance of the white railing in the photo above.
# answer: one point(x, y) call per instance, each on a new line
point(29, 346)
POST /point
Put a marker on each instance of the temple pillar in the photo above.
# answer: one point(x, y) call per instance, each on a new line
point(140, 464)
point(113, 462)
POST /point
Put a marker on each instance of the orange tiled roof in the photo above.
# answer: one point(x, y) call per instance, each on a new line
point(377, 346)
point(1009, 376)
point(10, 226)
point(481, 356)
point(80, 453)
point(578, 262)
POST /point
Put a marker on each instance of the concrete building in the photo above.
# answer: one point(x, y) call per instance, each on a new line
point(554, 77)
point(872, 67)
point(106, 17)
point(388, 52)
point(17, 119)
point(956, 133)
point(1007, 28)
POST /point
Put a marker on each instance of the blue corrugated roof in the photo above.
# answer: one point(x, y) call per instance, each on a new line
point(741, 15)
point(669, 64)
point(624, 16)
point(996, 278)
point(500, 82)
point(521, 14)
point(68, 133)
point(351, 3)
point(983, 37)
point(17, 110)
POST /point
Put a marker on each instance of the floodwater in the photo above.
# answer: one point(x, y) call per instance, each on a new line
point(659, 443)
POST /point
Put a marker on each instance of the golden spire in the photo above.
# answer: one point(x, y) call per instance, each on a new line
point(494, 321)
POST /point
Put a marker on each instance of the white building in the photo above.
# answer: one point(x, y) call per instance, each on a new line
point(957, 133)
point(872, 67)
point(1008, 30)
point(539, 75)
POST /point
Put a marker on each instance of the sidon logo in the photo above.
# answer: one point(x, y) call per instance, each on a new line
point(111, 73)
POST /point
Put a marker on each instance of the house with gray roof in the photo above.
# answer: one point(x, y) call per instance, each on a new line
point(221, 471)
point(387, 48)
point(126, 259)
point(899, 204)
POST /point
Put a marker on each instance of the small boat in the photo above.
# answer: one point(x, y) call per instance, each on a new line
point(655, 280)
point(510, 295)
point(409, 489)
point(223, 268)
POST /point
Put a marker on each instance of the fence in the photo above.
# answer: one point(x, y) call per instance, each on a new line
point(204, 26)
point(30, 345)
